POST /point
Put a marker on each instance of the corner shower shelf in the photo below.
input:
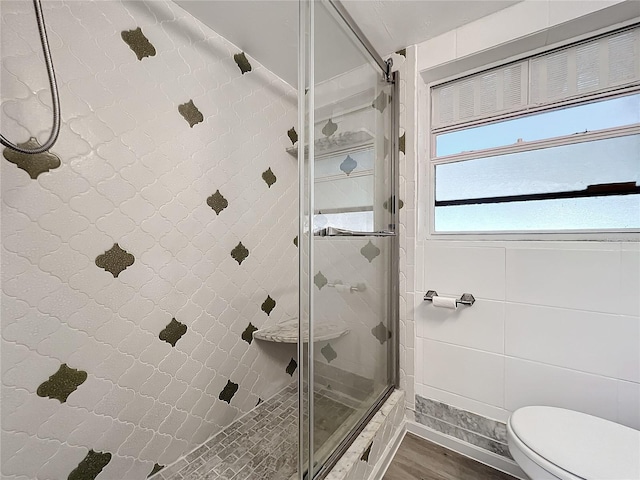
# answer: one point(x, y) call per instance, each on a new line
point(287, 332)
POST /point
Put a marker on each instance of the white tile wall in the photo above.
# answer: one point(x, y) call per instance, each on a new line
point(598, 343)
point(133, 171)
point(556, 324)
point(532, 383)
point(463, 371)
point(455, 270)
point(577, 279)
point(480, 327)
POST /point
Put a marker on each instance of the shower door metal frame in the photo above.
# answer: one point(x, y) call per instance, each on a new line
point(393, 78)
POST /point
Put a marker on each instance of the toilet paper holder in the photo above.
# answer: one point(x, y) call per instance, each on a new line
point(465, 299)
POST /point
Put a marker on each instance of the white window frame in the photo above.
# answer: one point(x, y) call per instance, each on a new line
point(432, 161)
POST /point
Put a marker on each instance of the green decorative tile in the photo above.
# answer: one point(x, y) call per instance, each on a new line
point(115, 260)
point(388, 205)
point(34, 165)
point(268, 305)
point(156, 469)
point(190, 113)
point(291, 368)
point(247, 335)
point(320, 280)
point(228, 391)
point(295, 241)
point(269, 177)
point(381, 102)
point(173, 332)
point(348, 165)
point(217, 202)
point(293, 135)
point(90, 466)
point(367, 452)
point(329, 128)
point(242, 62)
point(401, 141)
point(381, 332)
point(328, 353)
point(239, 253)
point(259, 402)
point(140, 44)
point(62, 383)
point(402, 52)
point(370, 251)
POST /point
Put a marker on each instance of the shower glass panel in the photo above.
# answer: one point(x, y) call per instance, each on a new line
point(349, 254)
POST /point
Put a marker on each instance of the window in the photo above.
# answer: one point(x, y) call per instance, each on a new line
point(551, 143)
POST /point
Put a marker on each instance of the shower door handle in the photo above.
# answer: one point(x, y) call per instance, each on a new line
point(341, 232)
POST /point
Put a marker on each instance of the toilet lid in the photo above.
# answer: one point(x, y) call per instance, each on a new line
point(586, 446)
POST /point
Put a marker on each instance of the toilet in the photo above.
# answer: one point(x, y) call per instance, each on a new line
point(551, 443)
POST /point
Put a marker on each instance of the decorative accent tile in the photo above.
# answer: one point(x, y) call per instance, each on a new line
point(228, 391)
point(239, 253)
point(62, 383)
point(381, 332)
point(190, 113)
point(91, 466)
point(34, 165)
point(293, 135)
point(173, 332)
point(367, 452)
point(464, 435)
point(329, 128)
point(268, 305)
point(401, 143)
point(388, 204)
point(242, 62)
point(320, 280)
point(259, 402)
point(291, 368)
point(295, 241)
point(328, 353)
point(156, 469)
point(247, 335)
point(137, 42)
point(472, 422)
point(381, 102)
point(402, 52)
point(115, 260)
point(348, 165)
point(269, 177)
point(217, 202)
point(370, 251)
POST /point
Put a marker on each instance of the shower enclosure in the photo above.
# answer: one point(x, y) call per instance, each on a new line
point(199, 278)
point(347, 102)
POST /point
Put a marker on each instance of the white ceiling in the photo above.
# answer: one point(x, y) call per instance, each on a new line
point(268, 29)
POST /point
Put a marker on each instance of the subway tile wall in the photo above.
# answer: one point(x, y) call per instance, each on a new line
point(555, 323)
point(141, 254)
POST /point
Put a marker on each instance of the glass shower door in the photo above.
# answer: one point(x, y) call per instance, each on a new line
point(350, 251)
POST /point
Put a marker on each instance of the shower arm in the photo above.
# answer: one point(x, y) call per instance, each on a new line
point(53, 86)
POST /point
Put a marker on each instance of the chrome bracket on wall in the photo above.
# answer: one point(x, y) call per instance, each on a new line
point(387, 74)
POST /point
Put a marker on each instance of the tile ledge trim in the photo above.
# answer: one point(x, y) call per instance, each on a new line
point(355, 451)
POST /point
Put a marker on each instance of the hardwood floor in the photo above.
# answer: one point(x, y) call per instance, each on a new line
point(419, 459)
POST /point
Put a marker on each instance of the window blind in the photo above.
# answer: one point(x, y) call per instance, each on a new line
point(593, 66)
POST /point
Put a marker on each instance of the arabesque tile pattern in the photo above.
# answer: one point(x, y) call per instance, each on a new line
point(103, 247)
